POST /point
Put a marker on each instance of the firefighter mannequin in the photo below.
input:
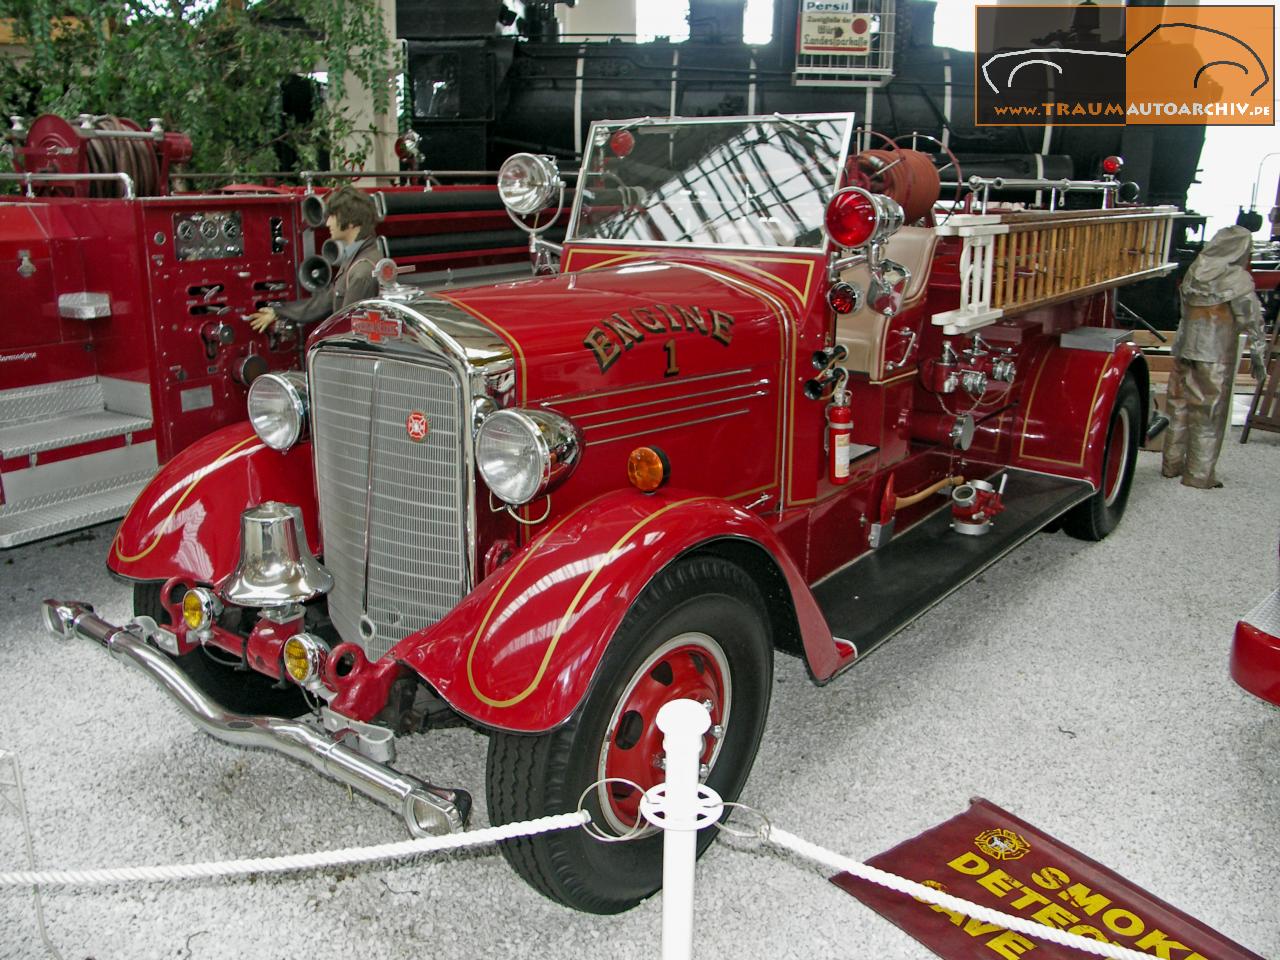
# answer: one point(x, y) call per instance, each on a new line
point(1218, 302)
point(350, 218)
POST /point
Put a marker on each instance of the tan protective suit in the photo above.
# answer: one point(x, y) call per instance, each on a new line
point(1218, 302)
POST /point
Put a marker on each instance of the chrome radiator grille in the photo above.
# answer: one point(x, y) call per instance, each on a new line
point(391, 509)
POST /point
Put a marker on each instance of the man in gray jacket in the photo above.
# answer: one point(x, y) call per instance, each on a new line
point(351, 217)
point(1218, 302)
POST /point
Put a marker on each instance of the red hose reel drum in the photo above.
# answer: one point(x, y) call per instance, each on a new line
point(907, 176)
point(56, 145)
point(53, 146)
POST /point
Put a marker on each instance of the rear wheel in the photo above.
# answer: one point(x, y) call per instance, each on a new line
point(217, 674)
point(1099, 515)
point(699, 632)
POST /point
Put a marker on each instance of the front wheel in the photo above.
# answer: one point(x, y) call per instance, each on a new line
point(1099, 515)
point(698, 632)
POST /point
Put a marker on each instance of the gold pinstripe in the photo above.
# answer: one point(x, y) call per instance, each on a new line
point(130, 558)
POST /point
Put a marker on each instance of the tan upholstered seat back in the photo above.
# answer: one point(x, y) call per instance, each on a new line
point(863, 332)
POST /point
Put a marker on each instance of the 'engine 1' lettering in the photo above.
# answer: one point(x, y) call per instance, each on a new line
point(618, 333)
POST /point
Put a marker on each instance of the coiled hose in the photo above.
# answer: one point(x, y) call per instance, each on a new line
point(133, 157)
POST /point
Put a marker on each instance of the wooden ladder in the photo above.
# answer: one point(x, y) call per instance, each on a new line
point(1264, 411)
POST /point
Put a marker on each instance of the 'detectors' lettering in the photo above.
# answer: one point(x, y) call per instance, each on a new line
point(619, 332)
point(1054, 900)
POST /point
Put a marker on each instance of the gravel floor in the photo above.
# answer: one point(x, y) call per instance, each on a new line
point(1081, 686)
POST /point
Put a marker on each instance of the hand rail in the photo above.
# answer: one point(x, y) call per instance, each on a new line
point(29, 178)
point(984, 186)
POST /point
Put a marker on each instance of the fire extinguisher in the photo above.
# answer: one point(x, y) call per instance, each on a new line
point(839, 427)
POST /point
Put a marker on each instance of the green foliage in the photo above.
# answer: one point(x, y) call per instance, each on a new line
point(210, 68)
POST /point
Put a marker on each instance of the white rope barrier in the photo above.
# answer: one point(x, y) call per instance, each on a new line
point(300, 861)
point(835, 861)
point(681, 807)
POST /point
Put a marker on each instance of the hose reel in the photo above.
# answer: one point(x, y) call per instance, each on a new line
point(907, 176)
point(97, 145)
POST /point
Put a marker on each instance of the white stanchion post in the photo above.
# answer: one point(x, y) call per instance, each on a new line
point(682, 722)
point(14, 796)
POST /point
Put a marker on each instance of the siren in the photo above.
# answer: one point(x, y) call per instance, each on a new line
point(315, 274)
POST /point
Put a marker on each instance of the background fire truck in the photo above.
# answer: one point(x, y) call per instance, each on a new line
point(123, 338)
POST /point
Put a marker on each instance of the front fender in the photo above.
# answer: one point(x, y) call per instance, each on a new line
point(520, 651)
point(186, 521)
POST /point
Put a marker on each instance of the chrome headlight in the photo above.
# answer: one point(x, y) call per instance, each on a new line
point(523, 454)
point(278, 408)
point(527, 182)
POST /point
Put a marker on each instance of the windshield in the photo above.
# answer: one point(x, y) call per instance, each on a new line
point(760, 182)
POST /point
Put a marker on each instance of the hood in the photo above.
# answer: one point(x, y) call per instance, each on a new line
point(623, 326)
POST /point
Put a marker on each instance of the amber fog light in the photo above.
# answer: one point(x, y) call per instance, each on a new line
point(200, 609)
point(304, 657)
point(647, 468)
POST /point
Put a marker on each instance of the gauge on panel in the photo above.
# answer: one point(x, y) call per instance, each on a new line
point(209, 229)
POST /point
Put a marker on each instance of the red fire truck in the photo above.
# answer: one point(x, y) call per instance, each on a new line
point(124, 337)
point(768, 394)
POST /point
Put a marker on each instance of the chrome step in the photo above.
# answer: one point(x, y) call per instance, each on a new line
point(55, 432)
point(38, 517)
point(58, 398)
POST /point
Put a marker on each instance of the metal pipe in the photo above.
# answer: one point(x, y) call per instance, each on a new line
point(357, 174)
point(93, 133)
point(426, 809)
point(1010, 183)
point(28, 178)
point(1257, 181)
point(1001, 183)
point(309, 175)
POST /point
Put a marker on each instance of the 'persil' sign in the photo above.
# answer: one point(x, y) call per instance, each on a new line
point(832, 27)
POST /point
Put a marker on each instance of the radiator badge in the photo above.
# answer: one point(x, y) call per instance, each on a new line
point(417, 426)
point(373, 326)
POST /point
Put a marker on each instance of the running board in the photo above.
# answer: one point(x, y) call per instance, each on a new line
point(27, 520)
point(883, 591)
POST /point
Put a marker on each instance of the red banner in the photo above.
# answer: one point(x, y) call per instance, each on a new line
point(990, 857)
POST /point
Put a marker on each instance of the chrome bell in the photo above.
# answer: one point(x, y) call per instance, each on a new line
point(276, 567)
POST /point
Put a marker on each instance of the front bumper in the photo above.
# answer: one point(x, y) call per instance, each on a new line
point(426, 809)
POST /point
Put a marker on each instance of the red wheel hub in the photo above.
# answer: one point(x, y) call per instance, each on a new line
point(685, 669)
